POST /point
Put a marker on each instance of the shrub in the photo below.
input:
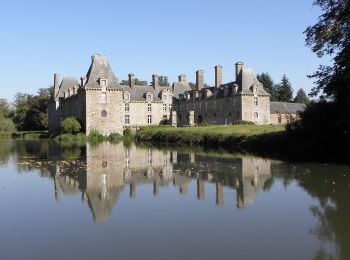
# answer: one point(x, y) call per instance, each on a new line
point(7, 125)
point(95, 136)
point(242, 122)
point(70, 125)
point(127, 132)
point(114, 137)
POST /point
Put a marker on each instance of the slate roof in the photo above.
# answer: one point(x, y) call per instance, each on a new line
point(67, 82)
point(100, 68)
point(138, 93)
point(286, 107)
point(180, 88)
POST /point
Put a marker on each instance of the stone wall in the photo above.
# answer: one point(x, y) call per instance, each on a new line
point(106, 117)
point(280, 118)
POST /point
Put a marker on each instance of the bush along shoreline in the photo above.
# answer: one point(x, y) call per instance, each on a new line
point(266, 141)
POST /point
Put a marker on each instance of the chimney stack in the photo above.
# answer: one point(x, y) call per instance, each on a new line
point(82, 81)
point(199, 79)
point(56, 84)
point(131, 80)
point(239, 66)
point(155, 82)
point(182, 78)
point(218, 75)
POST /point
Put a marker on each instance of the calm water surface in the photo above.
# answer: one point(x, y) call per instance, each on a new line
point(116, 201)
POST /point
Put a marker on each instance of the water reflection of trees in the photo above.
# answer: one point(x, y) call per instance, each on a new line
point(330, 185)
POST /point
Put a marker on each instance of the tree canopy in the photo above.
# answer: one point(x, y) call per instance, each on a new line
point(284, 90)
point(70, 125)
point(268, 84)
point(301, 97)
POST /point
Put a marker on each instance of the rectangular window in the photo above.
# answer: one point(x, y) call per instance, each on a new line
point(127, 107)
point(104, 98)
point(127, 119)
point(149, 107)
point(164, 96)
point(164, 107)
point(149, 119)
point(256, 101)
point(170, 106)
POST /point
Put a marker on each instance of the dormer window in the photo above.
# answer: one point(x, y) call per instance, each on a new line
point(104, 82)
point(126, 96)
point(164, 96)
point(149, 97)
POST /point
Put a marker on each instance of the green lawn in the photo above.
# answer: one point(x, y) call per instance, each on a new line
point(235, 130)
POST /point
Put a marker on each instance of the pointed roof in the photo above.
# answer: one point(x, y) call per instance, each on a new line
point(67, 82)
point(100, 68)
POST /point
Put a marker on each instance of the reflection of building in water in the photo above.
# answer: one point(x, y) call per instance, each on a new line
point(109, 169)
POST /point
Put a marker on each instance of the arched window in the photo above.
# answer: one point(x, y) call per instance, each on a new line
point(256, 115)
point(104, 113)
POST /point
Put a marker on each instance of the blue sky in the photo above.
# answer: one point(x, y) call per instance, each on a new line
point(39, 38)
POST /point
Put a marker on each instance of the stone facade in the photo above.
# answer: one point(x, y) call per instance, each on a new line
point(100, 102)
point(242, 100)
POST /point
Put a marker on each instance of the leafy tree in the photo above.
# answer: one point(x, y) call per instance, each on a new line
point(327, 121)
point(284, 91)
point(301, 97)
point(268, 84)
point(6, 125)
point(70, 125)
point(330, 36)
point(137, 82)
point(163, 81)
point(31, 111)
point(5, 109)
point(192, 85)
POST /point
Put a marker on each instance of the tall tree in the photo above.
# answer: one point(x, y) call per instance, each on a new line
point(284, 90)
point(5, 109)
point(268, 84)
point(301, 97)
point(331, 36)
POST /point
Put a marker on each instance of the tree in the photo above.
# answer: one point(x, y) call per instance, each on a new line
point(163, 81)
point(31, 111)
point(330, 36)
point(268, 84)
point(70, 125)
point(284, 91)
point(192, 85)
point(301, 97)
point(137, 82)
point(5, 109)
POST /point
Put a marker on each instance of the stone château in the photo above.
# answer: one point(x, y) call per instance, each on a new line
point(100, 102)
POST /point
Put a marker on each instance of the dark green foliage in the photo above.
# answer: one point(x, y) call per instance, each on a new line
point(127, 132)
point(327, 121)
point(301, 97)
point(114, 137)
point(242, 122)
point(192, 85)
point(95, 136)
point(137, 82)
point(31, 110)
point(268, 84)
point(163, 81)
point(70, 125)
point(284, 90)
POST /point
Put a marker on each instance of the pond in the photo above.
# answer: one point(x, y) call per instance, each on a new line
point(124, 201)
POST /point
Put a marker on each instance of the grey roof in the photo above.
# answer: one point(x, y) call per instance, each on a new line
point(180, 88)
point(67, 82)
point(286, 107)
point(138, 93)
point(100, 68)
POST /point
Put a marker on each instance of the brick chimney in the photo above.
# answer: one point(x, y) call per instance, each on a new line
point(218, 75)
point(199, 79)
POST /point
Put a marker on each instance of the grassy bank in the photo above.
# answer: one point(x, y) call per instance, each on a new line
point(205, 135)
point(26, 135)
point(263, 140)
